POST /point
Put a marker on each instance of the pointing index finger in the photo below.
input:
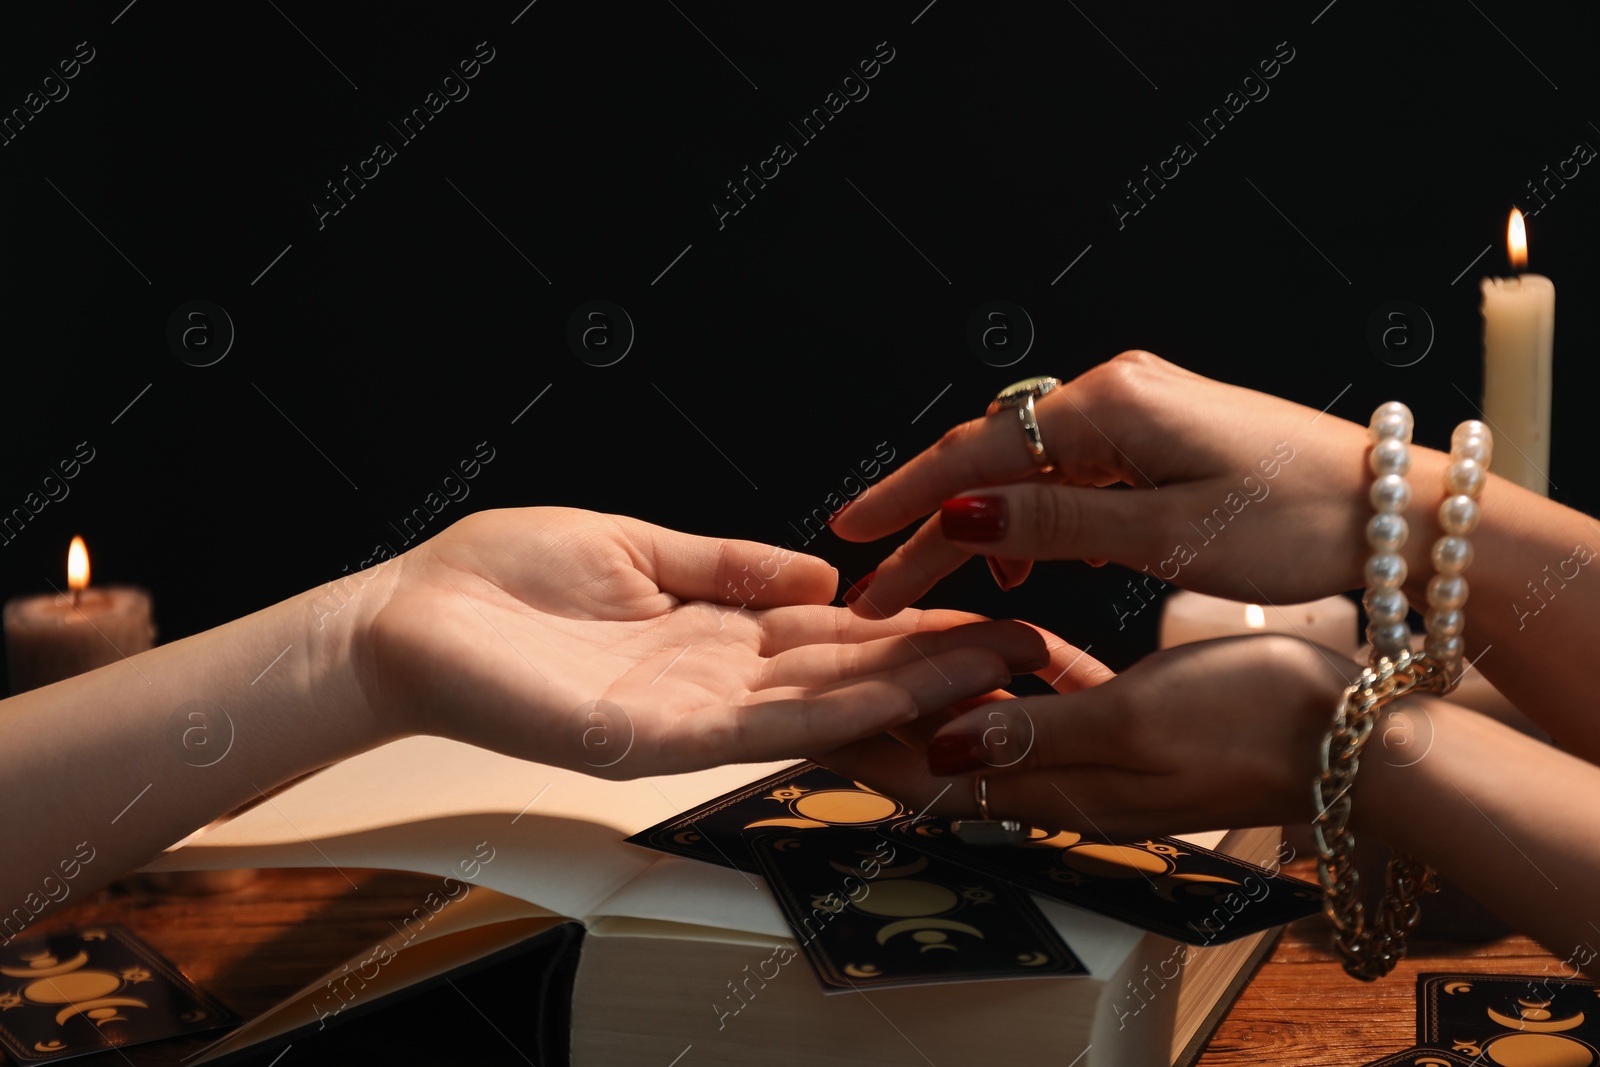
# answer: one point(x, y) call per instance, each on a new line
point(985, 451)
point(989, 451)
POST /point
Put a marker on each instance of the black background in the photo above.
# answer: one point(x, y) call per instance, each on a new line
point(796, 337)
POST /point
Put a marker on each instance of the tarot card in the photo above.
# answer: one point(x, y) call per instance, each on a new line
point(1508, 1018)
point(801, 797)
point(871, 911)
point(1164, 885)
point(1424, 1057)
point(74, 992)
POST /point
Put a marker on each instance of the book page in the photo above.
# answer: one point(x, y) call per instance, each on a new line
point(427, 804)
point(678, 890)
point(1206, 839)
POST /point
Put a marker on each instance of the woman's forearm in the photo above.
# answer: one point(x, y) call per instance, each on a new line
point(1507, 818)
point(100, 772)
point(1533, 607)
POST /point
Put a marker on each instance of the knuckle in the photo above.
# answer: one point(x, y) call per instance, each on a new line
point(1096, 674)
point(1049, 517)
point(725, 572)
point(1138, 358)
point(1014, 737)
point(988, 668)
point(1278, 646)
point(1123, 381)
point(910, 567)
point(841, 623)
point(953, 440)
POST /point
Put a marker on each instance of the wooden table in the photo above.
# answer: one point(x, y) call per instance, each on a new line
point(256, 945)
point(1302, 1010)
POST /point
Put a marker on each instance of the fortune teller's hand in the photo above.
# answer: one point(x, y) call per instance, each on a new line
point(1233, 492)
point(1204, 736)
point(1228, 733)
point(619, 648)
point(1242, 495)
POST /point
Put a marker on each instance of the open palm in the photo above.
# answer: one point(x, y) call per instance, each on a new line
point(608, 645)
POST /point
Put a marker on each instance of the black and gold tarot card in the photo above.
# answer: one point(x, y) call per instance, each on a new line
point(803, 797)
point(74, 992)
point(1424, 1057)
point(871, 911)
point(1161, 884)
point(1511, 1019)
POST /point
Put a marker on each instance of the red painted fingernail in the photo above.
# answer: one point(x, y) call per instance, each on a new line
point(1003, 574)
point(956, 753)
point(853, 594)
point(974, 518)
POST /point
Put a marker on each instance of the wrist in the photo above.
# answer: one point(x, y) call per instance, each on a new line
point(1320, 677)
point(1396, 769)
point(336, 621)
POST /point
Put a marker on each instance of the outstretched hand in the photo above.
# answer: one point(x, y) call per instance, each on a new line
point(615, 647)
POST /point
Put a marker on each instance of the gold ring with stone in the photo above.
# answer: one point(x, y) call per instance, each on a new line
point(1020, 397)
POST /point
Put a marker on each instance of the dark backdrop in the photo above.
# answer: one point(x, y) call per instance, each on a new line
point(775, 349)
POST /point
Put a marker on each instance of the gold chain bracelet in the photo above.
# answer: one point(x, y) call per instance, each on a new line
point(1394, 671)
point(1368, 954)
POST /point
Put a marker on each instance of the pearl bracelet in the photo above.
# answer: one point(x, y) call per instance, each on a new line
point(1471, 448)
point(1393, 673)
point(1390, 462)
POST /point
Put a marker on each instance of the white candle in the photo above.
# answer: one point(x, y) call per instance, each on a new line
point(56, 635)
point(1187, 616)
point(1519, 320)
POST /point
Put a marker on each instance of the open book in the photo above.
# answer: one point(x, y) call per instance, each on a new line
point(519, 847)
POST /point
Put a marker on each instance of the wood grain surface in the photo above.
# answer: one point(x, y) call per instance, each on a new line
point(254, 945)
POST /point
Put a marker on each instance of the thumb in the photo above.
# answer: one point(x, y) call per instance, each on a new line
point(1036, 521)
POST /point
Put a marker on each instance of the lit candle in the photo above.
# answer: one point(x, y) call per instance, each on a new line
point(1519, 321)
point(1187, 616)
point(58, 635)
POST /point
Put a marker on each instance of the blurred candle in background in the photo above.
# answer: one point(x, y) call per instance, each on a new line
point(57, 635)
point(1186, 616)
point(1519, 322)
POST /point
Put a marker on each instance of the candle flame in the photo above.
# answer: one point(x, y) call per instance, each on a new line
point(78, 566)
point(1517, 240)
point(1254, 617)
